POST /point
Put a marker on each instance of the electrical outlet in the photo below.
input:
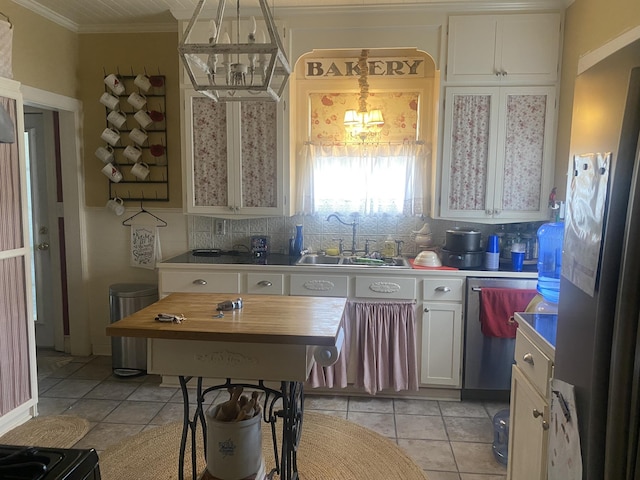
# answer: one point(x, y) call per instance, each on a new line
point(220, 226)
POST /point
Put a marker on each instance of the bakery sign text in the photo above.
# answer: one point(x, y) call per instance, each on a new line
point(326, 68)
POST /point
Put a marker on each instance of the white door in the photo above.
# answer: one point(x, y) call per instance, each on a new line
point(45, 242)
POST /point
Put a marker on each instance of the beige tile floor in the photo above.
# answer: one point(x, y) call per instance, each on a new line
point(449, 440)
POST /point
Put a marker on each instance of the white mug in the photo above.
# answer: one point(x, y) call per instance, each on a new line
point(111, 136)
point(137, 100)
point(143, 118)
point(105, 153)
point(114, 83)
point(142, 82)
point(139, 136)
point(132, 152)
point(112, 172)
point(109, 101)
point(117, 119)
point(116, 205)
point(140, 170)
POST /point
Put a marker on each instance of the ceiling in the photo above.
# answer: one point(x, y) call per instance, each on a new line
point(160, 15)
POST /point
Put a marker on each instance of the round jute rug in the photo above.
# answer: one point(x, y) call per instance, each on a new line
point(330, 448)
point(56, 431)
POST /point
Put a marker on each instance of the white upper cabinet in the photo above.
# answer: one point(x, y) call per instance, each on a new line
point(518, 49)
point(497, 160)
point(235, 157)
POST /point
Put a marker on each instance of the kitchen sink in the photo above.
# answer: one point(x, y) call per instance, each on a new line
point(311, 259)
point(346, 261)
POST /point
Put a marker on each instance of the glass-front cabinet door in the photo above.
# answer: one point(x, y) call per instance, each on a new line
point(235, 157)
point(497, 153)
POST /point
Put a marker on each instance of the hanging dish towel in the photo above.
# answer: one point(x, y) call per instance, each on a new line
point(145, 246)
point(497, 306)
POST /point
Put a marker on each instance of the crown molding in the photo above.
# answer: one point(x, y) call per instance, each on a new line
point(458, 6)
point(129, 28)
point(48, 14)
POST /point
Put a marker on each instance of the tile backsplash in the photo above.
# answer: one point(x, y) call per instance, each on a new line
point(320, 234)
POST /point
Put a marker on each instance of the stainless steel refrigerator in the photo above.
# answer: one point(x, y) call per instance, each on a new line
point(597, 348)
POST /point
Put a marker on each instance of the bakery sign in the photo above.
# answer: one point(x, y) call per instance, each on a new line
point(388, 67)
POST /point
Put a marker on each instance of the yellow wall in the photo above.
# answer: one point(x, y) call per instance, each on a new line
point(589, 24)
point(45, 55)
point(127, 53)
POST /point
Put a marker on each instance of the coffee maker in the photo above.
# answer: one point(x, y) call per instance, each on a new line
point(259, 245)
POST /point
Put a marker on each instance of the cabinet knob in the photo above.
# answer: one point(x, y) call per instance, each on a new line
point(199, 281)
point(443, 289)
point(265, 283)
point(545, 425)
point(497, 212)
point(528, 358)
point(537, 413)
point(426, 310)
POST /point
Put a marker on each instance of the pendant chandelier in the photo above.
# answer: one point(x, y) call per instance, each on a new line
point(363, 124)
point(228, 69)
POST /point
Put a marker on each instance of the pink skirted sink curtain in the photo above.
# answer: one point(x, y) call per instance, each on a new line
point(384, 337)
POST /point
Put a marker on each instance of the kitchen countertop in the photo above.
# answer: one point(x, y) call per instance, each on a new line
point(234, 260)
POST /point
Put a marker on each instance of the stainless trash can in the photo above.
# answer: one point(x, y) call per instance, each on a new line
point(129, 355)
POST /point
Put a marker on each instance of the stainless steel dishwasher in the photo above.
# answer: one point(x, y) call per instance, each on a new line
point(487, 360)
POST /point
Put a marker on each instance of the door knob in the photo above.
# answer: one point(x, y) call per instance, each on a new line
point(43, 246)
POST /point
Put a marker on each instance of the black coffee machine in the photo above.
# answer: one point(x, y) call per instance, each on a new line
point(259, 245)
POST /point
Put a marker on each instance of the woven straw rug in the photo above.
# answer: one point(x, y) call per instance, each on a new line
point(57, 431)
point(331, 448)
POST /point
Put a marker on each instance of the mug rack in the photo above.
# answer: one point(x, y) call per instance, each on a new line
point(155, 187)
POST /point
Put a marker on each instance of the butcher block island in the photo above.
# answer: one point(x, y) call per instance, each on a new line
point(259, 338)
point(271, 337)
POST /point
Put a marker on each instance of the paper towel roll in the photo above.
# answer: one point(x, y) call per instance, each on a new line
point(326, 356)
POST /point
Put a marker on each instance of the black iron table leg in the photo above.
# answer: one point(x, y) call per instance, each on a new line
point(291, 413)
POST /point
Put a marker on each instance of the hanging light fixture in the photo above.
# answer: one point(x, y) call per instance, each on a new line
point(227, 70)
point(363, 123)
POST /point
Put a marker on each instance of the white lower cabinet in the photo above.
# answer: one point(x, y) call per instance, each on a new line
point(198, 281)
point(528, 430)
point(441, 332)
point(265, 284)
point(529, 416)
point(441, 362)
point(320, 285)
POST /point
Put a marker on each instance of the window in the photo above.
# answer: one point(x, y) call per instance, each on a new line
point(384, 173)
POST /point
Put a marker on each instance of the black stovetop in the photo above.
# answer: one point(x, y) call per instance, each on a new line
point(40, 463)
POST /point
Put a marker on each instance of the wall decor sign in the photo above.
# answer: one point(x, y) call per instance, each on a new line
point(388, 67)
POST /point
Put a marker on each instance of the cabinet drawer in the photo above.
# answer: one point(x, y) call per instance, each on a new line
point(447, 289)
point(535, 365)
point(319, 285)
point(265, 283)
point(386, 287)
point(204, 282)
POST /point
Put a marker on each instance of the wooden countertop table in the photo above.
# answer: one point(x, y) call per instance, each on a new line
point(270, 338)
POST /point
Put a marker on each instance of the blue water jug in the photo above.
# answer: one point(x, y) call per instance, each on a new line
point(550, 238)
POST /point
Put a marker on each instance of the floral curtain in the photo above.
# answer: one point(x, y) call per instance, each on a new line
point(365, 178)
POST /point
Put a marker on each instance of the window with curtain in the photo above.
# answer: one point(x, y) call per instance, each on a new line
point(386, 175)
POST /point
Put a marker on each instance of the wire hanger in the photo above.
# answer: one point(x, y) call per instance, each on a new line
point(143, 210)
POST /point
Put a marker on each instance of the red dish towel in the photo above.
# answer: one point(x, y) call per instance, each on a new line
point(497, 306)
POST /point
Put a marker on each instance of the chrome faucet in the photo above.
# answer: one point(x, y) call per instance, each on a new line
point(353, 226)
